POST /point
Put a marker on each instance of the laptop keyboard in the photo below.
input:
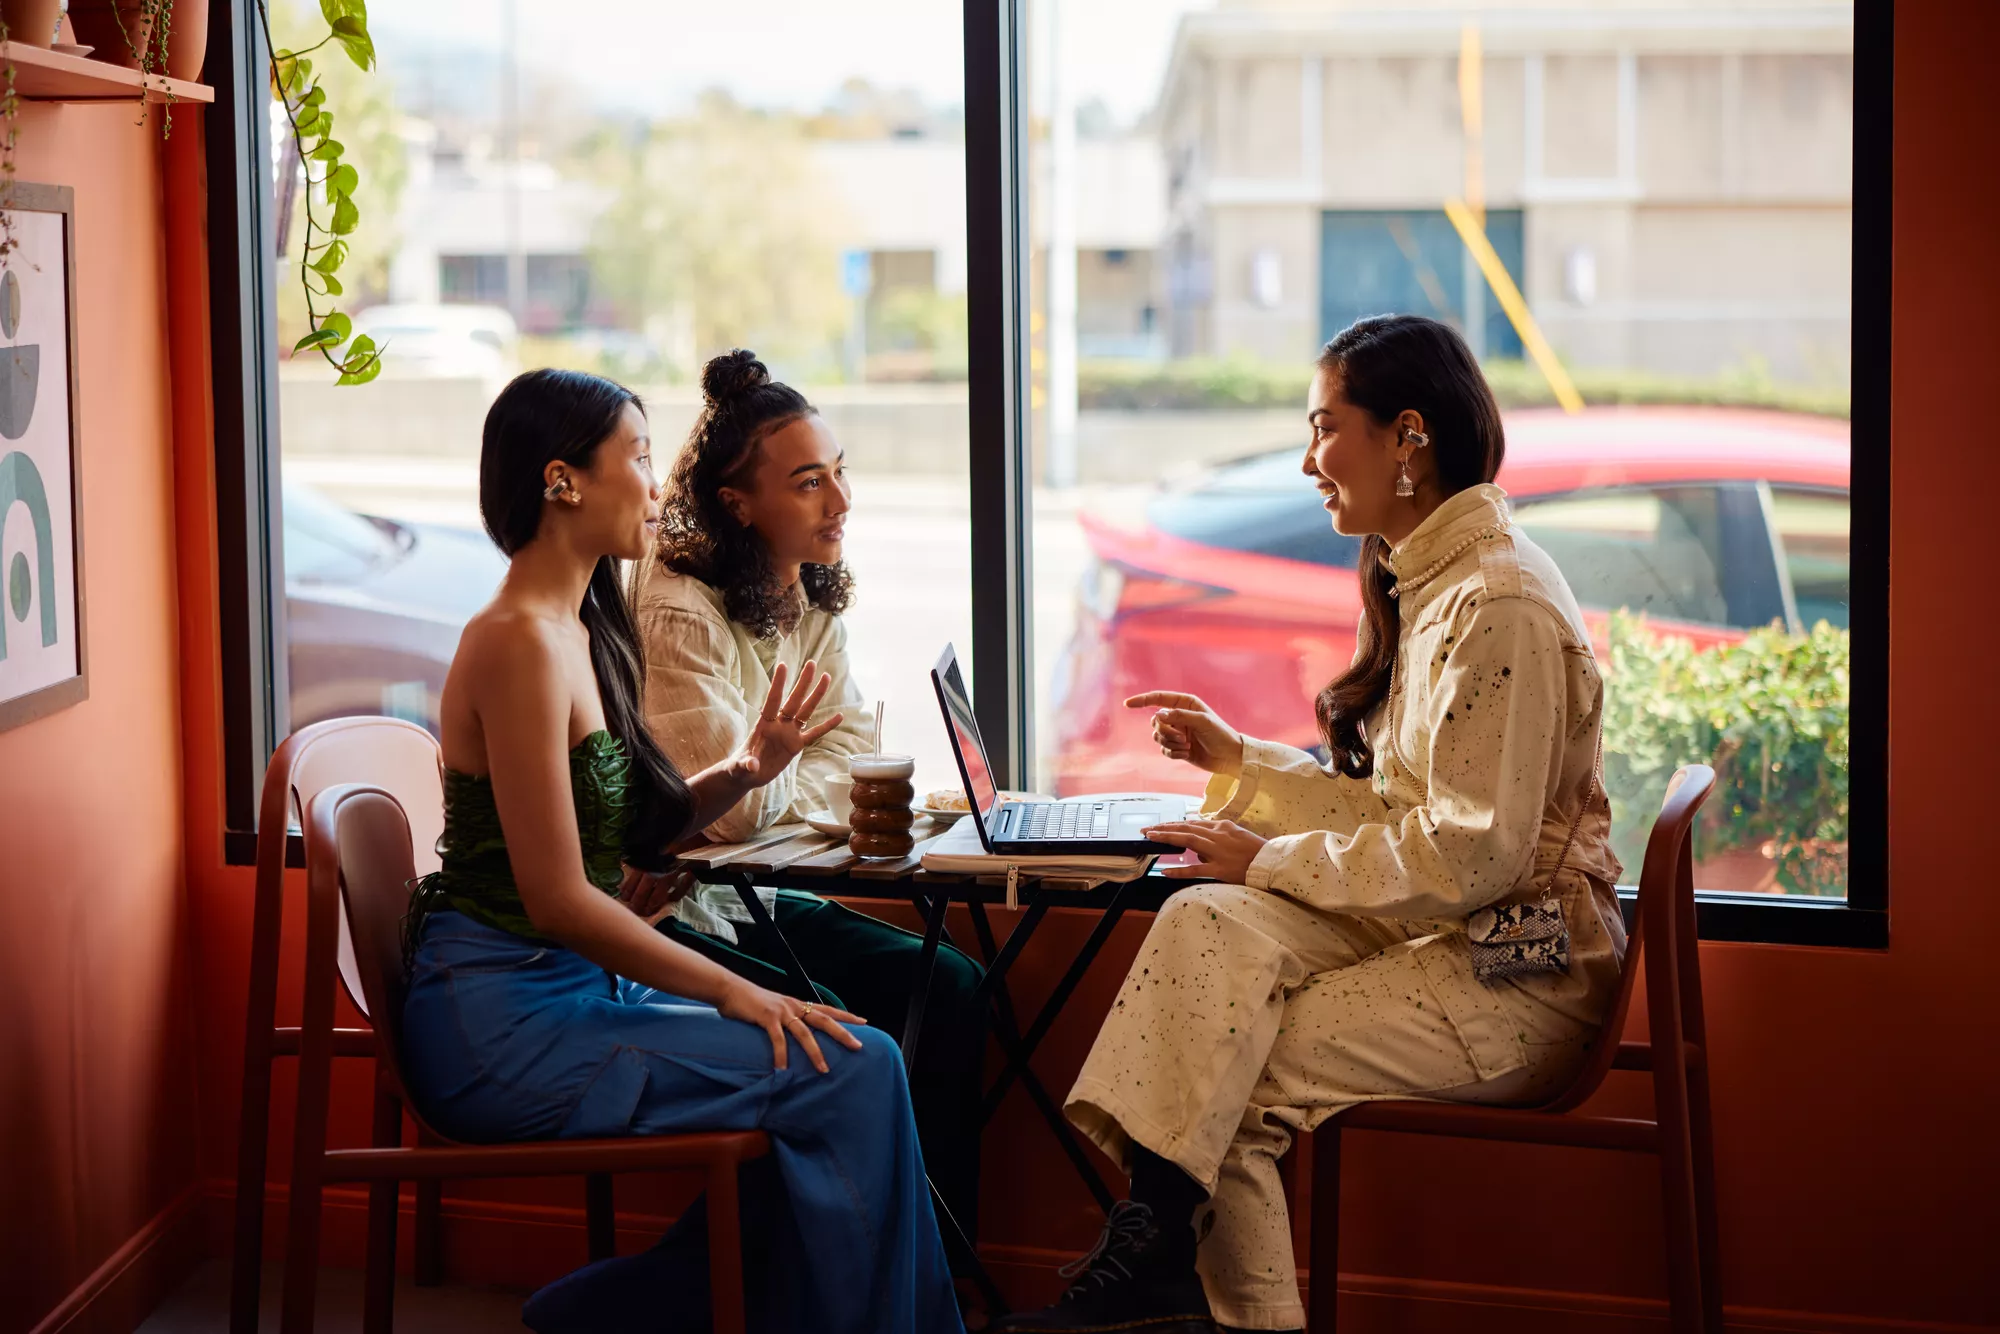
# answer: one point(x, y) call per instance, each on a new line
point(1065, 820)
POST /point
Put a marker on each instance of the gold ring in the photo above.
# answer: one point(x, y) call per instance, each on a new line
point(805, 1013)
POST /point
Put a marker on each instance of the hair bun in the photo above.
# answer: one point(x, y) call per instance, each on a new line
point(733, 373)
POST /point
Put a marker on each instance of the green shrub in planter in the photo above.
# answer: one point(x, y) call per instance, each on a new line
point(1769, 712)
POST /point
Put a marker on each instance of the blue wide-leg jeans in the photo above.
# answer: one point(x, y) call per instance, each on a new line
point(506, 1040)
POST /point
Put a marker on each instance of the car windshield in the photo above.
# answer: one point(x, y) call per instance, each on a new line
point(327, 544)
point(1262, 505)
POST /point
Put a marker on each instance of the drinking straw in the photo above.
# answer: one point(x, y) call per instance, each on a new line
point(878, 726)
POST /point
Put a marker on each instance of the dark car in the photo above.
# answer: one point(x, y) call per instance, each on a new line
point(375, 607)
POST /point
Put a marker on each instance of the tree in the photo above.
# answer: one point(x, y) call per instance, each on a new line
point(721, 220)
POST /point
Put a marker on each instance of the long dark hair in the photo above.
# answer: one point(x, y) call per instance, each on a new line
point(741, 405)
point(553, 415)
point(1388, 364)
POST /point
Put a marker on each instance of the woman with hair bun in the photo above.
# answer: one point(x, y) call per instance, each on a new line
point(540, 1005)
point(746, 586)
point(1429, 916)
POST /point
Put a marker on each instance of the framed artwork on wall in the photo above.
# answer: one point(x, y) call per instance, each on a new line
point(43, 666)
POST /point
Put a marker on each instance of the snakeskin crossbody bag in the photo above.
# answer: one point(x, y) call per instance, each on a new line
point(1517, 939)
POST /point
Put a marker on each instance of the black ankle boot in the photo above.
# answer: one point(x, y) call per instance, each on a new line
point(1138, 1279)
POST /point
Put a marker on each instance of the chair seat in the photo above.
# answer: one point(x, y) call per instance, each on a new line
point(566, 1157)
point(1521, 1125)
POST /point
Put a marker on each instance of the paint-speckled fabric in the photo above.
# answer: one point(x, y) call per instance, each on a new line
point(1340, 973)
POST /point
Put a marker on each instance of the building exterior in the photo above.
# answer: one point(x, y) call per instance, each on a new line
point(1669, 182)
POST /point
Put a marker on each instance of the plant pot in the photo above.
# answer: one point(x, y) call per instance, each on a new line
point(118, 29)
point(31, 22)
point(187, 39)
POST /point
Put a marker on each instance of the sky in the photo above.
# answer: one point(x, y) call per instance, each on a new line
point(654, 55)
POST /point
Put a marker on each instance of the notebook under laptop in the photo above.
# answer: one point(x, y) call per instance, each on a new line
point(1102, 826)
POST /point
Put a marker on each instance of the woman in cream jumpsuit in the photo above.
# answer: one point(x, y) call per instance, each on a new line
point(1329, 963)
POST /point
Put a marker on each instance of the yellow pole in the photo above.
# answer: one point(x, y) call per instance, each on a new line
point(1471, 107)
point(1474, 236)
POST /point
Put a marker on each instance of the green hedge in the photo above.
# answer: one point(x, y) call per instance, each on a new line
point(1769, 712)
point(1207, 383)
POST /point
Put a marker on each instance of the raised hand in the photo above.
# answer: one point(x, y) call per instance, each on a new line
point(781, 732)
point(1184, 728)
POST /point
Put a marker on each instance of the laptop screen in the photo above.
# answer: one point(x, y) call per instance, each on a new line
point(985, 798)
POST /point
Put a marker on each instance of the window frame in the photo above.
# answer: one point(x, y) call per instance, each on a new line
point(245, 387)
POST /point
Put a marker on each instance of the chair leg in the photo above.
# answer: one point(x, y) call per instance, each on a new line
point(252, 1148)
point(428, 1270)
point(1324, 1265)
point(429, 1267)
point(725, 1250)
point(1702, 1141)
point(253, 1125)
point(600, 1218)
point(378, 1305)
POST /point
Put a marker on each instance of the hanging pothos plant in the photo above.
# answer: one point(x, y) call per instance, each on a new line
point(329, 186)
point(10, 111)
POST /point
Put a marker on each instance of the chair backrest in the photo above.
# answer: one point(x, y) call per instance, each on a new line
point(358, 837)
point(1666, 878)
point(400, 757)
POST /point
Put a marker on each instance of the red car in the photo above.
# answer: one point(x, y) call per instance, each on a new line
point(1709, 522)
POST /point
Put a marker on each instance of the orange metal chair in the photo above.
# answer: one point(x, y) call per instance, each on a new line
point(1679, 1135)
point(358, 858)
point(403, 758)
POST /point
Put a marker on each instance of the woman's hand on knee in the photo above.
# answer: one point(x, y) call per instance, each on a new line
point(1185, 728)
point(1225, 848)
point(781, 1015)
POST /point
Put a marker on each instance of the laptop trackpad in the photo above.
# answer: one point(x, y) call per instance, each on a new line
point(1127, 824)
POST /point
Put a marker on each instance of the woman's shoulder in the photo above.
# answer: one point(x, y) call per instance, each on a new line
point(665, 591)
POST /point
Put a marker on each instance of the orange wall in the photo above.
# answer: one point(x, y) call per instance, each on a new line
point(97, 1089)
point(1859, 1173)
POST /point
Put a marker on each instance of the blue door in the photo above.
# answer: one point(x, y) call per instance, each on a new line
point(1384, 262)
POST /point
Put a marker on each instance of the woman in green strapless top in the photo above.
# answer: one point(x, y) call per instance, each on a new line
point(477, 879)
point(541, 1005)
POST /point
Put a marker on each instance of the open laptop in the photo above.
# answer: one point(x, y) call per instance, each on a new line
point(1093, 826)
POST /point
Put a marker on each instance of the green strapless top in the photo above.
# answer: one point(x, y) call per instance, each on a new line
point(477, 879)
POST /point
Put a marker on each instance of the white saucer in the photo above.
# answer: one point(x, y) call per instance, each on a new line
point(942, 819)
point(823, 822)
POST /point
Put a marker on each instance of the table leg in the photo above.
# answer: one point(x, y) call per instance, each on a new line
point(1007, 1033)
point(762, 916)
point(920, 984)
point(1052, 1008)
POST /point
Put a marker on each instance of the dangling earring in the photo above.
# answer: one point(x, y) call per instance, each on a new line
point(1405, 485)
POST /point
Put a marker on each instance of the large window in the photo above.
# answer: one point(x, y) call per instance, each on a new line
point(1055, 271)
point(1670, 194)
point(555, 193)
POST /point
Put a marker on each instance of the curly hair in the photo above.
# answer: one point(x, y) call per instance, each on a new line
point(699, 537)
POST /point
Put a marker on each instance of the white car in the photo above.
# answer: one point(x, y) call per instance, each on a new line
point(443, 342)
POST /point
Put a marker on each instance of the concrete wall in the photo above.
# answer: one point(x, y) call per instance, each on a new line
point(1716, 216)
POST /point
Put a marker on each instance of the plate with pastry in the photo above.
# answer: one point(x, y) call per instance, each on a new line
point(946, 806)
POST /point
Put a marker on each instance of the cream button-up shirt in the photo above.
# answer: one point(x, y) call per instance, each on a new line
point(706, 677)
point(1485, 749)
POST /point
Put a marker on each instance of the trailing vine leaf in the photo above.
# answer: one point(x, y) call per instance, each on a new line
point(330, 184)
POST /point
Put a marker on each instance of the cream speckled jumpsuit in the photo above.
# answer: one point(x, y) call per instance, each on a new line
point(1340, 973)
